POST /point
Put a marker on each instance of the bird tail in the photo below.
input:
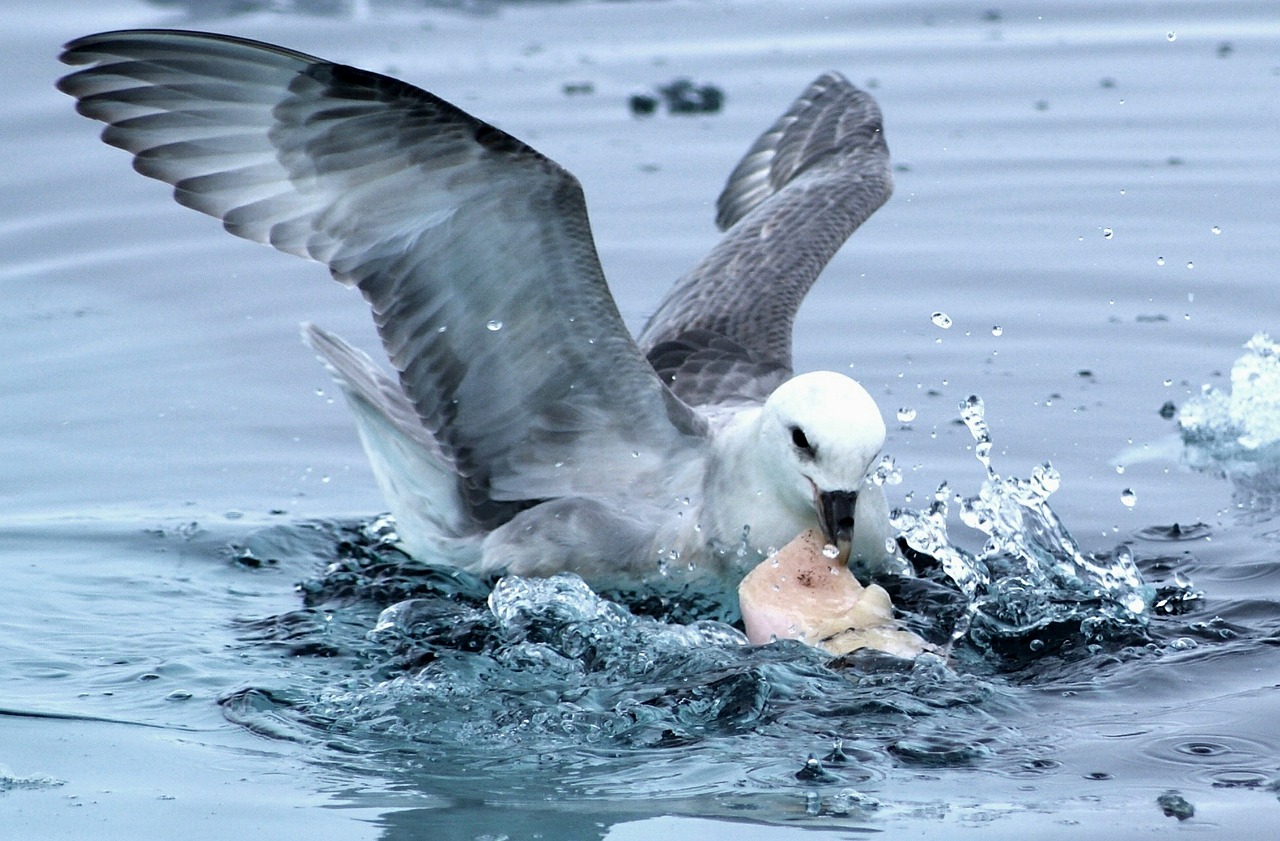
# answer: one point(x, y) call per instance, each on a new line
point(417, 479)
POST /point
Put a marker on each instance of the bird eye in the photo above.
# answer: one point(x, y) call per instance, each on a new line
point(802, 442)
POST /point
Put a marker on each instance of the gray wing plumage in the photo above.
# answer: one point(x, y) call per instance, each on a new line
point(723, 334)
point(473, 250)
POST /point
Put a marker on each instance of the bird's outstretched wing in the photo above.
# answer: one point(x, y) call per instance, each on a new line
point(473, 249)
point(724, 331)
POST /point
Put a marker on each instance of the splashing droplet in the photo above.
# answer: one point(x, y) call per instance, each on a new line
point(886, 472)
point(1128, 497)
point(906, 414)
point(973, 413)
point(494, 326)
point(941, 319)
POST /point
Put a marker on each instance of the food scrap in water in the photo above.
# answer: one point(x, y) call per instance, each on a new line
point(802, 594)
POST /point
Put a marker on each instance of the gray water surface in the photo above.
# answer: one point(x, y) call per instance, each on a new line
point(1096, 180)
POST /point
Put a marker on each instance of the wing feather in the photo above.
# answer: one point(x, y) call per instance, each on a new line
point(473, 250)
point(800, 191)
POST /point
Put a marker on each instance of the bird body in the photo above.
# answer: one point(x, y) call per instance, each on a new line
point(524, 430)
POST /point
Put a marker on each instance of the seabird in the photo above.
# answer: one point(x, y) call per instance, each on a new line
point(525, 430)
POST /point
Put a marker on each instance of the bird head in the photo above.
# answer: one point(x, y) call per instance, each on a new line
point(822, 434)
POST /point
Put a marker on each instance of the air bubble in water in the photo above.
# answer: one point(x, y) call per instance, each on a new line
point(906, 414)
point(1172, 36)
point(1128, 497)
point(941, 319)
point(997, 330)
point(831, 551)
point(1216, 229)
point(1159, 261)
point(1107, 233)
point(494, 326)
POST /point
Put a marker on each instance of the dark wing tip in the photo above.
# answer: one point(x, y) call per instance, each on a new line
point(127, 43)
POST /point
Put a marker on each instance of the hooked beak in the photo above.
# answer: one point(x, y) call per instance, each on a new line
point(835, 515)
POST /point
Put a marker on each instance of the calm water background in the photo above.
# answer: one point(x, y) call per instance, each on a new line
point(1100, 181)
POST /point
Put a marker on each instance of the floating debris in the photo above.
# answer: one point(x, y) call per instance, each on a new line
point(1174, 805)
point(643, 104)
point(681, 96)
point(684, 97)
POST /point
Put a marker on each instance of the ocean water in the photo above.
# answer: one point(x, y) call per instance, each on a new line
point(195, 623)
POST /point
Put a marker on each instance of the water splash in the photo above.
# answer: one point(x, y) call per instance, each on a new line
point(1030, 587)
point(497, 683)
point(1244, 423)
point(886, 472)
point(1237, 434)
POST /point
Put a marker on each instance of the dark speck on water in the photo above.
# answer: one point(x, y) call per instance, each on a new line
point(1174, 805)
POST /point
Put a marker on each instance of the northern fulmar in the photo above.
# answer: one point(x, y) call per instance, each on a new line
point(524, 429)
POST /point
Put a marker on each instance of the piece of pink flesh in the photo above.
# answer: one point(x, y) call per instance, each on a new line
point(800, 593)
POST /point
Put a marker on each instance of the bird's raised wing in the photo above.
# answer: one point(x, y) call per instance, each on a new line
point(473, 250)
point(817, 174)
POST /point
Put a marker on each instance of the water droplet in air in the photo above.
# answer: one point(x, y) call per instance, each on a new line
point(831, 551)
point(997, 330)
point(494, 326)
point(906, 415)
point(941, 319)
point(1107, 233)
point(1128, 497)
